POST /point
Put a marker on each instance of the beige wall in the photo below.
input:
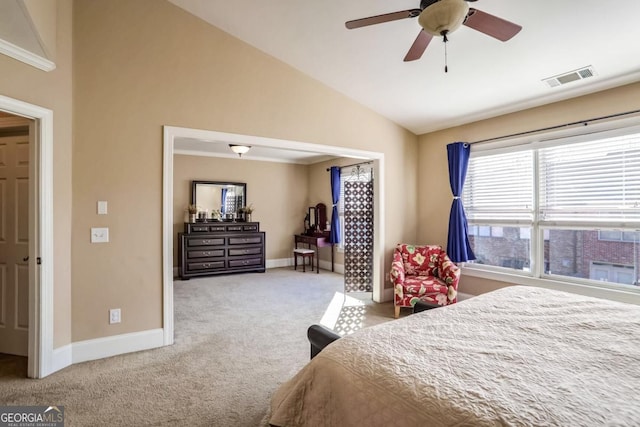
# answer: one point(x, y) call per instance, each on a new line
point(53, 90)
point(140, 65)
point(435, 194)
point(278, 192)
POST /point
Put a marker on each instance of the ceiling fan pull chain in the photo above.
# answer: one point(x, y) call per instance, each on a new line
point(445, 40)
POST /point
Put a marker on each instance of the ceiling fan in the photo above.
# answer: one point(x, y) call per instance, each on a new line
point(441, 17)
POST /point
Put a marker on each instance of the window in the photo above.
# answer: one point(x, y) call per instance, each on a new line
point(485, 231)
point(618, 236)
point(567, 209)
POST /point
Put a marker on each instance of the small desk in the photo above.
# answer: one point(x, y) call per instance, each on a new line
point(319, 241)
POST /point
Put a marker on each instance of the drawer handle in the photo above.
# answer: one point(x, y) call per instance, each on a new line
point(206, 241)
point(206, 265)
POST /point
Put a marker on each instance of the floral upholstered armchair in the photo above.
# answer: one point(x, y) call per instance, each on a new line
point(423, 273)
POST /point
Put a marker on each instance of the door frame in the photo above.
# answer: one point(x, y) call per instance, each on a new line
point(40, 356)
point(170, 133)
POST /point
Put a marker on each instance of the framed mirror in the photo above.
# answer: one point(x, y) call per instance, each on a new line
point(215, 196)
point(316, 219)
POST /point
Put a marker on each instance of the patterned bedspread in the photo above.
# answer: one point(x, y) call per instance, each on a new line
point(519, 356)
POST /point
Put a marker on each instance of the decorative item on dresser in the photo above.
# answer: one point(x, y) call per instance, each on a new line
point(221, 248)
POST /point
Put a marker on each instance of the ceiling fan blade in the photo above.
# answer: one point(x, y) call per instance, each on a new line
point(379, 19)
point(491, 25)
point(418, 47)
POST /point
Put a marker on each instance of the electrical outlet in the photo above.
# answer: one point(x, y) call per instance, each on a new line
point(114, 316)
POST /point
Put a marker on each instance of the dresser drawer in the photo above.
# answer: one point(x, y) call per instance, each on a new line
point(254, 250)
point(245, 240)
point(211, 241)
point(204, 227)
point(205, 254)
point(245, 262)
point(196, 266)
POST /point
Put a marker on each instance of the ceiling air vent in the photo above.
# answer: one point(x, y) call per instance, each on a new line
point(571, 76)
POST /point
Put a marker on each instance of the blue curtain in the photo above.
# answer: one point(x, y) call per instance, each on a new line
point(458, 247)
point(223, 201)
point(334, 236)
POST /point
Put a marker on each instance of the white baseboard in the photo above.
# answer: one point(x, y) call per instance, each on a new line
point(288, 262)
point(100, 348)
point(279, 263)
point(337, 268)
point(62, 357)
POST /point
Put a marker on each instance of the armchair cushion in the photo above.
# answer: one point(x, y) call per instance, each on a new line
point(420, 260)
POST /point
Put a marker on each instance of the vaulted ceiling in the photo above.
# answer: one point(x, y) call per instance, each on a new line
point(485, 78)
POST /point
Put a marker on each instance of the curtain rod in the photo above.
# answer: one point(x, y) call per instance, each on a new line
point(355, 164)
point(579, 122)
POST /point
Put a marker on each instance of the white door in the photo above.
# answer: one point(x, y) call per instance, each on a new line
point(14, 245)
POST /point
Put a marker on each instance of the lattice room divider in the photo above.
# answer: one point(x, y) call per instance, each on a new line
point(358, 236)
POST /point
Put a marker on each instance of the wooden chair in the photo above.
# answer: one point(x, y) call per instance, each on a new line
point(304, 253)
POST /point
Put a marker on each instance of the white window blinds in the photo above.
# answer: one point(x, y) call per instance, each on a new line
point(591, 181)
point(500, 187)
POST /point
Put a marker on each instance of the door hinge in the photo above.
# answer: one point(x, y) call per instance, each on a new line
point(38, 260)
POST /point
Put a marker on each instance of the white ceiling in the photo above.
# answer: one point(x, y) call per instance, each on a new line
point(486, 77)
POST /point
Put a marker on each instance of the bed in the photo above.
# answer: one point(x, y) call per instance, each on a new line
point(518, 356)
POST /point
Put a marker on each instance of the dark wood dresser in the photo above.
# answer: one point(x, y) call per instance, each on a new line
point(207, 248)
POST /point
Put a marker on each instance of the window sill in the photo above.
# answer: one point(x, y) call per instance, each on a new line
point(610, 292)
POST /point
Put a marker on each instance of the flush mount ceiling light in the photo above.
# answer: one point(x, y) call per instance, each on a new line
point(239, 149)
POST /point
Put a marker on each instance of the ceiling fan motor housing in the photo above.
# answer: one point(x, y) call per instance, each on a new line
point(443, 16)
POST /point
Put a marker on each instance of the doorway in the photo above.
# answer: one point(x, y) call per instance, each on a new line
point(171, 134)
point(14, 234)
point(40, 362)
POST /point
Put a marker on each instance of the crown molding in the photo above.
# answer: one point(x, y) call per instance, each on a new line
point(25, 56)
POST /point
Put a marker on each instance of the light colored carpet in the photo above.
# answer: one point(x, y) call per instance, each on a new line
point(237, 337)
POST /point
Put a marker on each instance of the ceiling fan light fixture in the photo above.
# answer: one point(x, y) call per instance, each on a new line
point(239, 149)
point(443, 17)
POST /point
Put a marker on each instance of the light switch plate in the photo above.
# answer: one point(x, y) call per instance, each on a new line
point(99, 235)
point(102, 207)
